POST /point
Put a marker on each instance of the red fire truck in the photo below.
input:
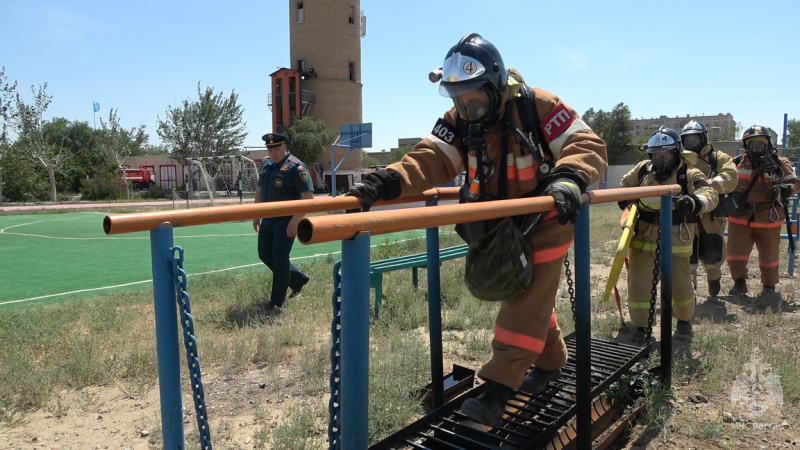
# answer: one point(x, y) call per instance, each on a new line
point(140, 178)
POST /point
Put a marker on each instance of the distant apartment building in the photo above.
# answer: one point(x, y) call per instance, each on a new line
point(720, 126)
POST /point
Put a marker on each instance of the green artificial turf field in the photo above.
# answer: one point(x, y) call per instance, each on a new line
point(45, 257)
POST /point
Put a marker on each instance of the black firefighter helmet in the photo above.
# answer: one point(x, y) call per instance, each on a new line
point(664, 150)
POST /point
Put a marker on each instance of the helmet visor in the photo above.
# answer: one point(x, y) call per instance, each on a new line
point(460, 74)
point(692, 141)
point(663, 160)
point(474, 105)
point(756, 147)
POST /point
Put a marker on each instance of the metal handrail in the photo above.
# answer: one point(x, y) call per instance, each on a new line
point(312, 230)
point(144, 221)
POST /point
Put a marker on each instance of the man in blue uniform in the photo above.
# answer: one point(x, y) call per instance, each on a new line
point(283, 177)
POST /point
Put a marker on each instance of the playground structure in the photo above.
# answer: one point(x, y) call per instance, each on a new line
point(349, 421)
point(229, 174)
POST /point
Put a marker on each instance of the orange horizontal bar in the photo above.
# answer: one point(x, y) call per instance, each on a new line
point(317, 229)
point(599, 196)
point(132, 222)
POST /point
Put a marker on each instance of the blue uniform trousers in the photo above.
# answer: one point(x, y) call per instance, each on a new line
point(273, 249)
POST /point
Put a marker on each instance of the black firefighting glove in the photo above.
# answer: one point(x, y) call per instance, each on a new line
point(566, 188)
point(623, 204)
point(381, 184)
point(687, 205)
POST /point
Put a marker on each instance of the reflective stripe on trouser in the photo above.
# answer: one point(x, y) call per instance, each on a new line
point(640, 282)
point(740, 243)
point(526, 331)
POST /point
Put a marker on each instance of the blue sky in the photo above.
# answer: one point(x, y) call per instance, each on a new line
point(670, 58)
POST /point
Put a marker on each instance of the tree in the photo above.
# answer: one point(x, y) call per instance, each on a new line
point(38, 147)
point(614, 127)
point(308, 138)
point(210, 126)
point(397, 154)
point(120, 144)
point(8, 92)
point(78, 140)
point(369, 161)
point(793, 133)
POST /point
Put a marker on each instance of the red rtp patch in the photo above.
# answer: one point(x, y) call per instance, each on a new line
point(557, 122)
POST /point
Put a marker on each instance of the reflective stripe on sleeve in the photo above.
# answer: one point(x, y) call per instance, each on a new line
point(449, 151)
point(557, 144)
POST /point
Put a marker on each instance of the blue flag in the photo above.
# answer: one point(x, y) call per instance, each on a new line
point(96, 106)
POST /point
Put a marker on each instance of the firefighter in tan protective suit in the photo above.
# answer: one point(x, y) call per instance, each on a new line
point(768, 180)
point(490, 132)
point(697, 197)
point(718, 167)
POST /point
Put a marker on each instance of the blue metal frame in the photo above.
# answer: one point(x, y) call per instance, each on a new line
point(355, 342)
point(166, 311)
point(666, 289)
point(355, 323)
point(435, 313)
point(583, 331)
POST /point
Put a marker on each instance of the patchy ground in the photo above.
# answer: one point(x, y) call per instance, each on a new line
point(240, 407)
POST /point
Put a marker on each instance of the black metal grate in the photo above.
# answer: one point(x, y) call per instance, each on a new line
point(529, 422)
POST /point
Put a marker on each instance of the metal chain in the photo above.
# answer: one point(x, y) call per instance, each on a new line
point(334, 406)
point(190, 342)
point(570, 288)
point(653, 289)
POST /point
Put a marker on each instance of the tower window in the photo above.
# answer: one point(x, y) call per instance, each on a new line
point(300, 12)
point(351, 14)
point(352, 71)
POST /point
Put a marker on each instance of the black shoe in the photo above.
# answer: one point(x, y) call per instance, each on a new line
point(488, 408)
point(272, 306)
point(684, 327)
point(739, 287)
point(536, 382)
point(639, 335)
point(713, 287)
point(296, 292)
point(767, 291)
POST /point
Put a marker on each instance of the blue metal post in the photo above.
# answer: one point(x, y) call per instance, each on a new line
point(583, 331)
point(666, 289)
point(435, 312)
point(166, 313)
point(333, 169)
point(355, 342)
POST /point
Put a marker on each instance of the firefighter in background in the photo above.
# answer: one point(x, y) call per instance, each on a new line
point(484, 133)
point(665, 166)
point(773, 181)
point(718, 167)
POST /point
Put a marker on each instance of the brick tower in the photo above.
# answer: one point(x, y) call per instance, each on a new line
point(324, 81)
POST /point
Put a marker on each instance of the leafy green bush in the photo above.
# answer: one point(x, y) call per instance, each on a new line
point(103, 187)
point(156, 191)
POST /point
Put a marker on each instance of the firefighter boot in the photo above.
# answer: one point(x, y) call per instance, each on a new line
point(739, 287)
point(767, 291)
point(639, 335)
point(488, 408)
point(536, 382)
point(684, 327)
point(713, 287)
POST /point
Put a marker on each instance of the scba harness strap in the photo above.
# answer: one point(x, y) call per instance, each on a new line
point(654, 216)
